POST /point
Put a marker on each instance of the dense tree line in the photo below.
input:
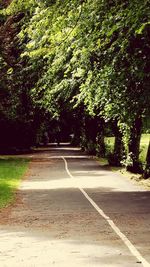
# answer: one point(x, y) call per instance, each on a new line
point(87, 65)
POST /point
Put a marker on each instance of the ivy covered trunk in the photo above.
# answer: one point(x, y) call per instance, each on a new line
point(93, 136)
point(119, 148)
point(134, 146)
point(147, 168)
point(100, 146)
point(90, 134)
point(77, 126)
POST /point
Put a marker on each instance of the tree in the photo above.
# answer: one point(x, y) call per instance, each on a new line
point(147, 167)
point(92, 56)
point(16, 112)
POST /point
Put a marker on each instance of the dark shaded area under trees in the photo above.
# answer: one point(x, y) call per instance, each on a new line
point(80, 66)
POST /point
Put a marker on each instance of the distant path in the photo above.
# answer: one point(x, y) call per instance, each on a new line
point(70, 211)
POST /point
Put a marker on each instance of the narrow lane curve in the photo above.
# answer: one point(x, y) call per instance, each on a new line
point(53, 224)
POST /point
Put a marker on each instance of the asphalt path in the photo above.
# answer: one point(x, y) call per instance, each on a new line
point(72, 211)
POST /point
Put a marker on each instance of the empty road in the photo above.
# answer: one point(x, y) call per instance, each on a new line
point(71, 211)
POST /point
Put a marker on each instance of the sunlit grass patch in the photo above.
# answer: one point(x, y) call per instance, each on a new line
point(11, 172)
point(109, 143)
point(144, 146)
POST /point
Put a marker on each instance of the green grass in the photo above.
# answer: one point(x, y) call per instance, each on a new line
point(144, 146)
point(109, 141)
point(145, 139)
point(11, 172)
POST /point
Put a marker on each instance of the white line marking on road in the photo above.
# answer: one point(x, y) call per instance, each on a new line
point(68, 157)
point(122, 236)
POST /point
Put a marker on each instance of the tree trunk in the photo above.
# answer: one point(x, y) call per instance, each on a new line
point(119, 148)
point(93, 136)
point(147, 168)
point(134, 146)
point(100, 148)
point(91, 133)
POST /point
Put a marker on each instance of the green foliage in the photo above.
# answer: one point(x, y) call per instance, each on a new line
point(95, 54)
point(109, 141)
point(17, 113)
point(21, 6)
point(82, 54)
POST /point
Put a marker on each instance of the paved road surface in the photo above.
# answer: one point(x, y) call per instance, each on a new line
point(71, 212)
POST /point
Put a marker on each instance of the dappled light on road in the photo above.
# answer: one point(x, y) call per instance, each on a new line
point(82, 179)
point(43, 250)
point(80, 182)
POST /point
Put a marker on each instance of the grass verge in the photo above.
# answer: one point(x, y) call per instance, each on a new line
point(136, 178)
point(11, 172)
